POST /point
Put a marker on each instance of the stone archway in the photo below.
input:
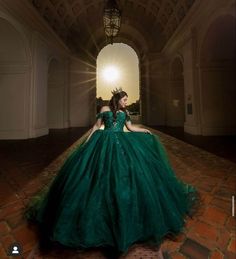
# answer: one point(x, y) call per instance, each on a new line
point(217, 69)
point(125, 61)
point(55, 96)
point(140, 45)
point(176, 104)
point(15, 83)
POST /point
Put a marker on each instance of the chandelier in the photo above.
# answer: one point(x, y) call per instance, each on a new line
point(111, 20)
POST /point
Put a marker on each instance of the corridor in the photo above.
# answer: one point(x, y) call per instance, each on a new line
point(27, 165)
point(169, 65)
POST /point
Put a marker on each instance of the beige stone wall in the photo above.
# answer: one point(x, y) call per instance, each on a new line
point(157, 101)
point(175, 96)
point(34, 74)
point(79, 94)
point(217, 77)
point(206, 43)
point(57, 94)
point(14, 80)
point(190, 83)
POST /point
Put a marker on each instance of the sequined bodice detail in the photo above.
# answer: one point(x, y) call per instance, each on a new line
point(109, 122)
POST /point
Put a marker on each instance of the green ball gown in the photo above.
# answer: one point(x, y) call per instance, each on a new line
point(115, 190)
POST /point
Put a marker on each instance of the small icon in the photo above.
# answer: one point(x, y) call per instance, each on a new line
point(15, 249)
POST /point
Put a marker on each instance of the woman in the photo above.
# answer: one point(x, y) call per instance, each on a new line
point(116, 189)
point(117, 104)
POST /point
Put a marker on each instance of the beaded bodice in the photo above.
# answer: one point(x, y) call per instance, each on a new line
point(110, 124)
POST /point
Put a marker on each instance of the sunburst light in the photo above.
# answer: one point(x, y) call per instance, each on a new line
point(111, 73)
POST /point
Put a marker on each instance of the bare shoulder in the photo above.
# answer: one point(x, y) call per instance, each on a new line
point(105, 108)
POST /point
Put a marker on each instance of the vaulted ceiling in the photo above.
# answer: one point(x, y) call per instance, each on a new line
point(148, 24)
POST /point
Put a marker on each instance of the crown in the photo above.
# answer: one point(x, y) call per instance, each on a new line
point(115, 91)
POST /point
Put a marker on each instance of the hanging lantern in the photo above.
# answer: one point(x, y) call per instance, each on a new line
point(111, 20)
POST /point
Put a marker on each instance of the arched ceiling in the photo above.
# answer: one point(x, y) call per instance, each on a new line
point(79, 22)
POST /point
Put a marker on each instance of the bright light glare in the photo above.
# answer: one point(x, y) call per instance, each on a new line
point(110, 74)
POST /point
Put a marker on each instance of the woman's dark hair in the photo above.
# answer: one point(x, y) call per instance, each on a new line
point(114, 103)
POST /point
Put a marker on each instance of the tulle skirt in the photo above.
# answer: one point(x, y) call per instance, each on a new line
point(115, 190)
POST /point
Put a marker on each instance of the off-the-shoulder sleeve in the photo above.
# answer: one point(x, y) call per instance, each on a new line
point(99, 115)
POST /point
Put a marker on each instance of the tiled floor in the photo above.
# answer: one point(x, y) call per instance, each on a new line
point(26, 166)
point(223, 146)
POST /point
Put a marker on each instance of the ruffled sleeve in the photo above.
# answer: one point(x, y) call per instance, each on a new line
point(99, 115)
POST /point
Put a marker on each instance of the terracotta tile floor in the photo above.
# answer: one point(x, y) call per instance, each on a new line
point(223, 146)
point(26, 166)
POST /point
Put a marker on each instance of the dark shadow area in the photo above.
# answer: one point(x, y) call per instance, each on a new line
point(35, 154)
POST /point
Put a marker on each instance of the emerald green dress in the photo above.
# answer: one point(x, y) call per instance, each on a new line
point(115, 190)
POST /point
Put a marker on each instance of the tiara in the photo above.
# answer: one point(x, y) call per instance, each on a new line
point(115, 91)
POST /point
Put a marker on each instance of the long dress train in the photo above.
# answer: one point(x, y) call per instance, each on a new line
point(115, 190)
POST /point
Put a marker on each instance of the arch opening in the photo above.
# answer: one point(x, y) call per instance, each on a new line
point(118, 66)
